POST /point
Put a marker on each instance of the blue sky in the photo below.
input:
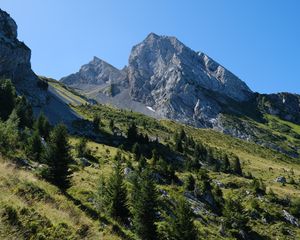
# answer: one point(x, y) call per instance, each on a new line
point(258, 40)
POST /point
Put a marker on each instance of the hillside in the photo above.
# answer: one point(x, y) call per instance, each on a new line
point(118, 154)
point(263, 200)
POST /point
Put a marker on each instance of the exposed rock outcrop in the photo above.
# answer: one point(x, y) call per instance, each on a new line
point(15, 65)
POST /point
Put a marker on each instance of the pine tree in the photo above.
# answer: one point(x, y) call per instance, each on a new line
point(144, 206)
point(24, 112)
point(111, 124)
point(226, 164)
point(81, 148)
point(136, 150)
point(182, 135)
point(96, 123)
point(236, 166)
point(34, 146)
point(178, 145)
point(155, 157)
point(9, 134)
point(181, 223)
point(7, 98)
point(116, 194)
point(43, 126)
point(132, 133)
point(58, 158)
point(234, 214)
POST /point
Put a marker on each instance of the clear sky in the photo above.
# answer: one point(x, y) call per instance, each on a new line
point(258, 40)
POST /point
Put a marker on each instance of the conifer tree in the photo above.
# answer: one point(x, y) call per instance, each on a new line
point(96, 123)
point(24, 112)
point(58, 157)
point(7, 98)
point(34, 146)
point(116, 194)
point(178, 145)
point(111, 124)
point(81, 148)
point(236, 166)
point(43, 126)
point(181, 223)
point(132, 133)
point(226, 164)
point(144, 206)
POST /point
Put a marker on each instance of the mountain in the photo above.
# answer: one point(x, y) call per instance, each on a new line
point(15, 65)
point(165, 79)
point(120, 174)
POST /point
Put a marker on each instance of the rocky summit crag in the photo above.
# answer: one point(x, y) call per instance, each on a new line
point(165, 79)
point(15, 65)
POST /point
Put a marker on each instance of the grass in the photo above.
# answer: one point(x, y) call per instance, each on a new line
point(262, 162)
point(24, 192)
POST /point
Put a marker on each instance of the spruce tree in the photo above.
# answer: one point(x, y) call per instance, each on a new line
point(132, 133)
point(116, 194)
point(236, 166)
point(144, 206)
point(24, 112)
point(181, 223)
point(111, 124)
point(81, 148)
point(7, 98)
point(178, 145)
point(43, 126)
point(58, 157)
point(96, 123)
point(226, 164)
point(34, 146)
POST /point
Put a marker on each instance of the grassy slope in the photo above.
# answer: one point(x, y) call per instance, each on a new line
point(41, 209)
point(262, 162)
point(255, 159)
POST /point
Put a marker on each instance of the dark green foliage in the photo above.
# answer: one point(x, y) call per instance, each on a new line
point(96, 123)
point(226, 164)
point(58, 158)
point(144, 206)
point(81, 148)
point(236, 166)
point(155, 157)
point(42, 125)
point(190, 183)
point(111, 124)
point(178, 145)
point(24, 112)
point(182, 135)
point(9, 134)
point(115, 195)
point(203, 181)
point(258, 186)
point(34, 147)
point(181, 224)
point(132, 133)
point(7, 98)
point(136, 150)
point(234, 215)
point(295, 207)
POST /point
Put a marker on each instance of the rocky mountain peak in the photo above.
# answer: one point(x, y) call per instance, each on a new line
point(96, 72)
point(161, 67)
point(8, 27)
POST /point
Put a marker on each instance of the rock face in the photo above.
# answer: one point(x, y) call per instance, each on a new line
point(15, 65)
point(164, 79)
point(95, 73)
point(14, 55)
point(284, 105)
